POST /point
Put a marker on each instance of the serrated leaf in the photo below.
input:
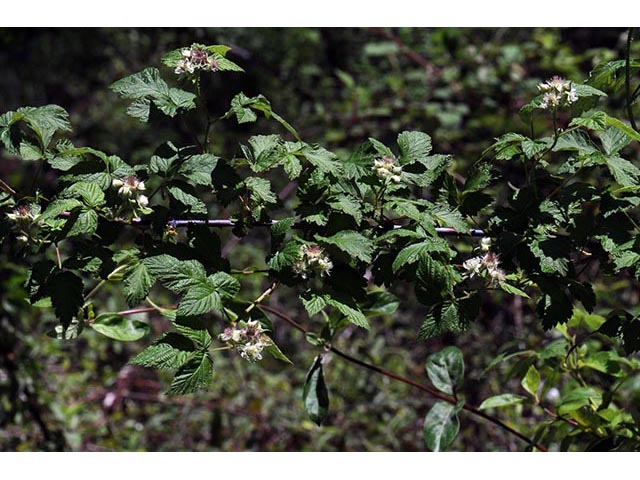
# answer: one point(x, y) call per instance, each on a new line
point(147, 87)
point(624, 172)
point(198, 168)
point(315, 394)
point(194, 203)
point(66, 292)
point(169, 352)
point(446, 369)
point(119, 327)
point(137, 283)
point(86, 223)
point(351, 242)
point(414, 146)
point(194, 375)
point(260, 189)
point(441, 425)
point(504, 400)
point(593, 120)
point(203, 296)
point(314, 304)
point(352, 314)
point(411, 253)
point(347, 204)
point(90, 193)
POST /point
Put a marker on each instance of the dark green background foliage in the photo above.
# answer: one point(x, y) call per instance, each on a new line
point(572, 387)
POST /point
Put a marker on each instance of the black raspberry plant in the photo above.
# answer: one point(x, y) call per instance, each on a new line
point(358, 229)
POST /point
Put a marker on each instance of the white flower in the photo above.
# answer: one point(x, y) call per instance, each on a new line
point(485, 244)
point(473, 266)
point(312, 258)
point(387, 168)
point(143, 201)
point(249, 340)
point(557, 93)
point(488, 264)
point(186, 52)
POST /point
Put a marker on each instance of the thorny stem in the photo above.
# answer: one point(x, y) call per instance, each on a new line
point(627, 80)
point(408, 381)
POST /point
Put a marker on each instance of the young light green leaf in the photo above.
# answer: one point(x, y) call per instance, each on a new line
point(531, 381)
point(119, 327)
point(504, 400)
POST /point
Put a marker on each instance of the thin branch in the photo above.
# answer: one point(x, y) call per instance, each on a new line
point(4, 186)
point(262, 297)
point(229, 223)
point(408, 381)
point(627, 80)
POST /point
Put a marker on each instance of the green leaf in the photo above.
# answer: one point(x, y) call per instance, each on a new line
point(414, 146)
point(205, 295)
point(198, 168)
point(285, 257)
point(593, 120)
point(194, 375)
point(412, 253)
point(433, 283)
point(623, 127)
point(177, 275)
point(314, 304)
point(353, 315)
point(276, 353)
point(347, 204)
point(351, 242)
point(322, 159)
point(137, 283)
point(531, 148)
point(43, 121)
point(446, 369)
point(624, 172)
point(169, 352)
point(90, 193)
point(441, 425)
point(260, 189)
point(315, 394)
point(194, 203)
point(504, 400)
point(147, 87)
point(85, 224)
point(118, 327)
point(579, 397)
point(531, 381)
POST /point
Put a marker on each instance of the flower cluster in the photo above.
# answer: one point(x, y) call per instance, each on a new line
point(387, 168)
point(23, 216)
point(312, 259)
point(130, 187)
point(196, 58)
point(249, 340)
point(488, 264)
point(27, 219)
point(558, 93)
